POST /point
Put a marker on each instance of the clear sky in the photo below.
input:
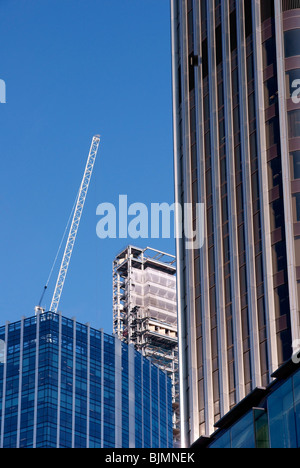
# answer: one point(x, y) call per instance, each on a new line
point(73, 69)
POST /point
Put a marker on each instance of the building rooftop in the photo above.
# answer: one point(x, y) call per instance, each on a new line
point(147, 257)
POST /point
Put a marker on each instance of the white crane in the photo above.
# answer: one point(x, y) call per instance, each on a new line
point(80, 201)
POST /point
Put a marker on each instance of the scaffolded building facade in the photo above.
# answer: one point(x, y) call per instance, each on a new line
point(145, 310)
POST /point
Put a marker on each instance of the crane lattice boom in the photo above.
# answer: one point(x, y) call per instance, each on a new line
point(75, 223)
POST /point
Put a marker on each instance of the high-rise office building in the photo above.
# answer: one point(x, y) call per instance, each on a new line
point(145, 311)
point(66, 385)
point(236, 91)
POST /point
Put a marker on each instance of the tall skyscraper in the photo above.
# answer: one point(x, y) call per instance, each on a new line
point(145, 311)
point(236, 91)
point(66, 385)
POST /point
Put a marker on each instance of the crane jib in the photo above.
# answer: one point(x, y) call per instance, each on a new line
point(75, 223)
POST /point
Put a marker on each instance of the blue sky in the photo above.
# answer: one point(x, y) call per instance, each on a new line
point(75, 68)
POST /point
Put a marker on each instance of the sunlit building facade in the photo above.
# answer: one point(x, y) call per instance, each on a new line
point(236, 91)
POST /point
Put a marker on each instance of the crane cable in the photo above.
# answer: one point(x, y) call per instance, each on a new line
point(59, 249)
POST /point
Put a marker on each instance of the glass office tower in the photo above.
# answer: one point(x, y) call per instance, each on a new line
point(236, 91)
point(66, 385)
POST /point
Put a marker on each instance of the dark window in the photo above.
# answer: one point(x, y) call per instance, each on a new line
point(179, 85)
point(296, 164)
point(292, 83)
point(253, 147)
point(257, 229)
point(267, 10)
point(236, 120)
point(269, 51)
point(250, 68)
point(191, 73)
point(279, 257)
point(259, 269)
point(294, 123)
point(272, 132)
point(233, 31)
point(296, 207)
point(248, 17)
point(204, 58)
point(274, 172)
point(203, 15)
point(191, 30)
point(219, 51)
point(271, 91)
point(227, 291)
point(243, 280)
point(277, 214)
point(226, 246)
point(251, 109)
point(281, 300)
point(292, 42)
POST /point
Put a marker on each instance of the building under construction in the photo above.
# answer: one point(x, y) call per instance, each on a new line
point(145, 310)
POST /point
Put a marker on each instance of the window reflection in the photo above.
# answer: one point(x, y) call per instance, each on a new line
point(223, 442)
point(243, 433)
point(282, 418)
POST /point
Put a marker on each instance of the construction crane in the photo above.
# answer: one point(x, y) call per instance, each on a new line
point(80, 201)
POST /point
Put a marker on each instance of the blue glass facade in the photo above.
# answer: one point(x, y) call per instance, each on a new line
point(267, 418)
point(64, 384)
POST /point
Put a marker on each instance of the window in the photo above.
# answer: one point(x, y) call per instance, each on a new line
point(281, 296)
point(261, 428)
point(295, 164)
point(233, 31)
point(223, 442)
point(296, 207)
point(296, 382)
point(294, 123)
point(292, 83)
point(271, 91)
point(267, 10)
point(269, 52)
point(248, 17)
point(272, 132)
point(219, 52)
point(279, 257)
point(205, 58)
point(292, 43)
point(282, 418)
point(277, 214)
point(274, 172)
point(242, 433)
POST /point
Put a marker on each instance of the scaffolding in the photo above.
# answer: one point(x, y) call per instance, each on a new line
point(145, 311)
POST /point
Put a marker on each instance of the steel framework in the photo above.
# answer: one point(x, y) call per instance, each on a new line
point(75, 223)
point(145, 311)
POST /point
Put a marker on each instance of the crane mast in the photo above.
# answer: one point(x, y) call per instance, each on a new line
point(75, 223)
